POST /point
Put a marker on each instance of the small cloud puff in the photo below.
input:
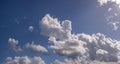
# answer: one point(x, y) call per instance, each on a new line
point(31, 28)
point(13, 44)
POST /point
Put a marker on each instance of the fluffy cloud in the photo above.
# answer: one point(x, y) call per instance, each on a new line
point(55, 29)
point(102, 2)
point(13, 44)
point(36, 48)
point(31, 28)
point(24, 60)
point(79, 45)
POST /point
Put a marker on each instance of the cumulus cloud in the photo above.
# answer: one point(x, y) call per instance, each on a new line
point(55, 29)
point(36, 48)
point(24, 60)
point(79, 45)
point(103, 2)
point(31, 28)
point(13, 44)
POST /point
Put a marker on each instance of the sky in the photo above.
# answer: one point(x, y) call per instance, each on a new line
point(59, 31)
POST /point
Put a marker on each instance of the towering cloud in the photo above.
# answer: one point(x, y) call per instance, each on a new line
point(13, 44)
point(92, 47)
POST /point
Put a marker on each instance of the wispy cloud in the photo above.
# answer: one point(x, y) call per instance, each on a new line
point(114, 25)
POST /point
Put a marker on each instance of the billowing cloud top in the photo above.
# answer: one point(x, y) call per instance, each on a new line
point(92, 47)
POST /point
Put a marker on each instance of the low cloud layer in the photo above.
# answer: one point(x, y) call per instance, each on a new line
point(92, 47)
point(24, 60)
point(13, 44)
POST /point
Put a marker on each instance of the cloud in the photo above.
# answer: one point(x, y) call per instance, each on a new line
point(103, 2)
point(78, 60)
point(13, 44)
point(55, 29)
point(82, 61)
point(114, 25)
point(79, 45)
point(36, 48)
point(109, 9)
point(31, 28)
point(24, 60)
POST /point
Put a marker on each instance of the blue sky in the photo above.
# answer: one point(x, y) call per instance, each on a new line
point(86, 16)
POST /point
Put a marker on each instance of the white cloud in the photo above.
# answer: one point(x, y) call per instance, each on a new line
point(100, 51)
point(36, 48)
point(14, 45)
point(59, 31)
point(103, 2)
point(114, 25)
point(24, 60)
point(31, 28)
point(109, 9)
point(79, 45)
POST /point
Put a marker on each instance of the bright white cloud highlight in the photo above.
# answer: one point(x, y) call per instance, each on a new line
point(13, 44)
point(24, 60)
point(78, 45)
point(109, 9)
point(31, 28)
point(103, 2)
point(36, 48)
